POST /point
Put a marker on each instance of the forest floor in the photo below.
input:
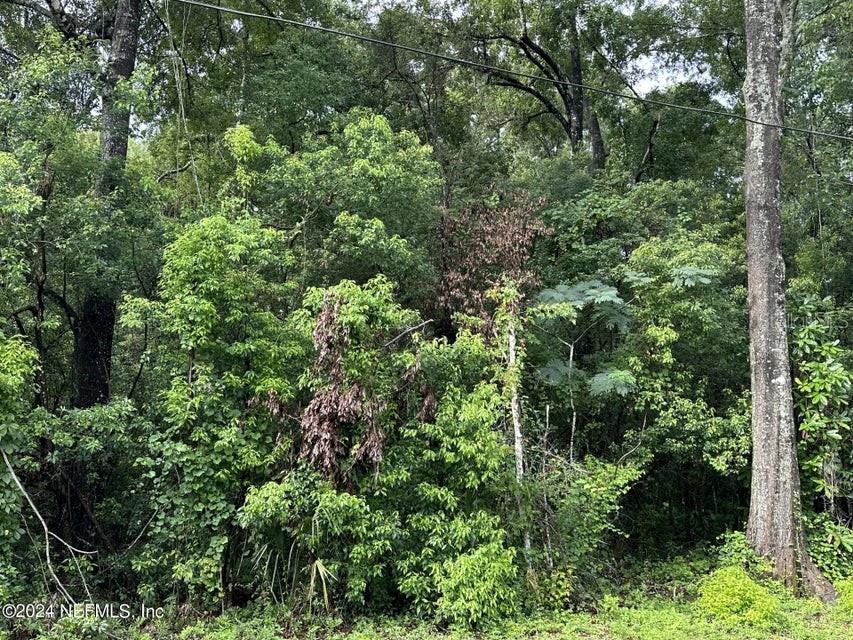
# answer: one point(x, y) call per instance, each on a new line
point(655, 620)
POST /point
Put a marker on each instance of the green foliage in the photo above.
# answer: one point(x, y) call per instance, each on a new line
point(363, 167)
point(652, 620)
point(845, 595)
point(358, 249)
point(824, 386)
point(86, 628)
point(221, 299)
point(585, 499)
point(17, 360)
point(734, 550)
point(224, 629)
point(348, 538)
point(16, 365)
point(300, 425)
point(427, 508)
point(730, 595)
point(830, 545)
point(677, 578)
point(478, 586)
point(455, 461)
point(616, 381)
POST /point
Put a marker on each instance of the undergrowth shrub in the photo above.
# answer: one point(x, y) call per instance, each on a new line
point(227, 629)
point(478, 586)
point(732, 596)
point(81, 628)
point(845, 595)
point(830, 546)
point(552, 590)
point(585, 499)
point(734, 550)
point(675, 578)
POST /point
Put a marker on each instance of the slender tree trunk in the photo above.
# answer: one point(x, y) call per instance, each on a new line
point(515, 410)
point(648, 161)
point(94, 343)
point(775, 525)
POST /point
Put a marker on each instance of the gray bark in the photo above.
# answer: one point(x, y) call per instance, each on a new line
point(775, 525)
point(518, 437)
point(115, 119)
point(599, 153)
point(576, 70)
point(94, 334)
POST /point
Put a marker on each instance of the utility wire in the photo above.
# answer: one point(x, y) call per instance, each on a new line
point(182, 112)
point(520, 74)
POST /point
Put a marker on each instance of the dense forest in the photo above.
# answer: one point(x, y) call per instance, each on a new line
point(404, 318)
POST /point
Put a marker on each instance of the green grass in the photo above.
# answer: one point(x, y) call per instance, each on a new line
point(649, 618)
point(800, 620)
point(653, 620)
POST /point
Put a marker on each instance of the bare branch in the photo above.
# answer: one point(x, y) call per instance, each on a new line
point(47, 533)
point(32, 5)
point(175, 171)
point(407, 332)
point(505, 80)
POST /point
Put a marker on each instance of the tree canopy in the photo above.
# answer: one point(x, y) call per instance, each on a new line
point(299, 320)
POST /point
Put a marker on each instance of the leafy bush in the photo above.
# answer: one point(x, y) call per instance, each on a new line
point(585, 499)
point(226, 629)
point(16, 366)
point(84, 628)
point(730, 595)
point(735, 551)
point(675, 578)
point(845, 595)
point(478, 586)
point(552, 590)
point(830, 546)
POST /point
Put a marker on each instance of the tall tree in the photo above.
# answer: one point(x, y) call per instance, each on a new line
point(545, 39)
point(112, 30)
point(95, 327)
point(775, 526)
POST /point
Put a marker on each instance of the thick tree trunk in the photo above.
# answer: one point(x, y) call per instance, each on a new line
point(93, 349)
point(115, 119)
point(96, 317)
point(576, 72)
point(599, 153)
point(775, 525)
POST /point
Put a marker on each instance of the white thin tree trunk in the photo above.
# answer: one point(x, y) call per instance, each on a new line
point(515, 410)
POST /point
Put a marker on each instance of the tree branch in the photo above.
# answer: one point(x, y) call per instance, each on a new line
point(175, 171)
point(67, 309)
point(32, 5)
point(504, 80)
point(47, 533)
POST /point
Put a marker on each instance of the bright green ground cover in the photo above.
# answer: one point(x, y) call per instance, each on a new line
point(676, 600)
point(801, 620)
point(654, 620)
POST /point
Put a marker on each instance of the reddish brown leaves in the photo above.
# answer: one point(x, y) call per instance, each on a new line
point(338, 403)
point(485, 244)
point(333, 404)
point(321, 445)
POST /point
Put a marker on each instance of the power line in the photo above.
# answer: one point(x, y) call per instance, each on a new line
point(519, 74)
